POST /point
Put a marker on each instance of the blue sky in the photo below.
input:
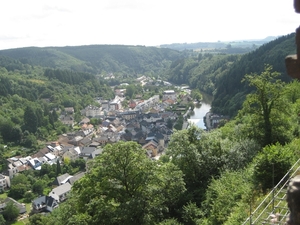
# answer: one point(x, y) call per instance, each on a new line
point(141, 22)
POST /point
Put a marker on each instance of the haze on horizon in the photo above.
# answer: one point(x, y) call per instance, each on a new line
point(141, 22)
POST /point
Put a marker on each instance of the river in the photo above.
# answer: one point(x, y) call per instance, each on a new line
point(199, 112)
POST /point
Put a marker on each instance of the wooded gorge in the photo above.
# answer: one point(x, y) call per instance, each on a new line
point(204, 177)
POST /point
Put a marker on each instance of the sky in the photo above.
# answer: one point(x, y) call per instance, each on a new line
point(44, 23)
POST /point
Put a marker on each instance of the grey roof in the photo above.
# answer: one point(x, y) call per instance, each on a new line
point(127, 136)
point(87, 150)
point(139, 135)
point(102, 138)
point(22, 208)
point(97, 152)
point(44, 201)
point(144, 123)
point(76, 177)
point(159, 136)
point(64, 188)
point(94, 144)
point(62, 178)
point(86, 141)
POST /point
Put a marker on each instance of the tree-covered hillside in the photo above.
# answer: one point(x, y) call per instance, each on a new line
point(231, 92)
point(32, 97)
point(201, 72)
point(233, 47)
point(97, 59)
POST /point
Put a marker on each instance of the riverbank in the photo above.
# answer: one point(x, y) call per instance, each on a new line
point(198, 116)
point(207, 121)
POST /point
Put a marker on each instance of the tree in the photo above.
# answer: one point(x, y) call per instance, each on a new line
point(2, 220)
point(30, 119)
point(169, 123)
point(17, 191)
point(16, 134)
point(201, 156)
point(192, 214)
point(46, 169)
point(79, 163)
point(11, 212)
point(58, 168)
point(123, 186)
point(20, 179)
point(179, 123)
point(224, 194)
point(130, 91)
point(196, 94)
point(29, 141)
point(266, 106)
point(6, 127)
point(95, 121)
point(38, 187)
point(19, 186)
point(37, 219)
point(273, 163)
point(184, 153)
point(28, 197)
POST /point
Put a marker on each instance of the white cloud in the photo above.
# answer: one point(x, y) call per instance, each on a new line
point(141, 22)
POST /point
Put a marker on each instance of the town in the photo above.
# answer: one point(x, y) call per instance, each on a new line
point(148, 122)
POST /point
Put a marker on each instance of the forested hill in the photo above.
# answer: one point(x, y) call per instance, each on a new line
point(241, 46)
point(231, 92)
point(98, 58)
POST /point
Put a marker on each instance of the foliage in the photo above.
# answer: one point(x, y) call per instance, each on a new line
point(231, 93)
point(28, 197)
point(67, 76)
point(267, 107)
point(19, 186)
point(272, 163)
point(179, 122)
point(191, 214)
point(236, 47)
point(36, 219)
point(196, 94)
point(10, 212)
point(38, 187)
point(170, 222)
point(201, 74)
point(185, 152)
point(30, 103)
point(224, 194)
point(125, 186)
point(96, 59)
point(205, 177)
point(2, 220)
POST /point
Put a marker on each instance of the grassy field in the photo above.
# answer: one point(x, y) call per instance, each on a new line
point(21, 222)
point(3, 195)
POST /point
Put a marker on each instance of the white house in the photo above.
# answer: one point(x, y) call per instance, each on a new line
point(115, 104)
point(50, 157)
point(93, 111)
point(61, 192)
point(151, 102)
point(35, 163)
point(169, 94)
point(4, 182)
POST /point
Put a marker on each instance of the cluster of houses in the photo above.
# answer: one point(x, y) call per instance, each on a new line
point(63, 185)
point(47, 203)
point(145, 123)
